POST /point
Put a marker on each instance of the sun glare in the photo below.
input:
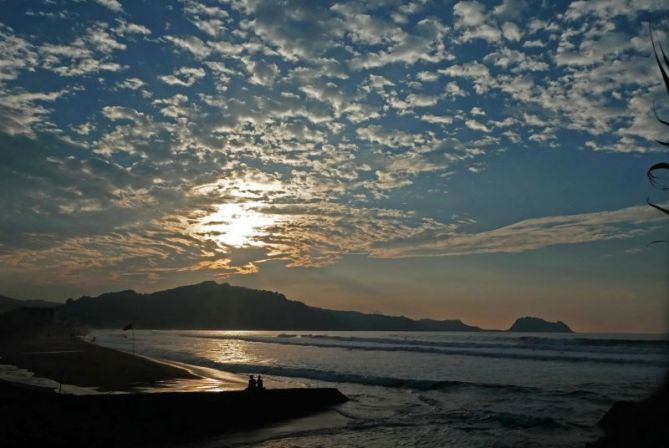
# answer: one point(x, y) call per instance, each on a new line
point(235, 225)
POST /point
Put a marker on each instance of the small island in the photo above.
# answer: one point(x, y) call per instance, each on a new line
point(538, 325)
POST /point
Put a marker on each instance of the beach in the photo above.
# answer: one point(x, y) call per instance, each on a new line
point(185, 388)
point(423, 389)
point(112, 407)
point(68, 359)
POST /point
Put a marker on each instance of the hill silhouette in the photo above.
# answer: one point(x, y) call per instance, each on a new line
point(213, 306)
point(210, 305)
point(537, 325)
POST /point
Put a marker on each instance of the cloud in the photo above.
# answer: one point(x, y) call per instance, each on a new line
point(510, 9)
point(311, 119)
point(191, 44)
point(131, 83)
point(263, 73)
point(472, 20)
point(476, 72)
point(511, 31)
point(414, 100)
point(452, 89)
point(131, 28)
point(17, 55)
point(609, 9)
point(87, 54)
point(198, 9)
point(308, 234)
point(212, 27)
point(469, 13)
point(173, 107)
point(527, 235)
point(103, 41)
point(516, 61)
point(363, 27)
point(115, 113)
point(426, 45)
point(183, 76)
point(22, 112)
point(437, 119)
point(477, 126)
point(298, 30)
point(112, 5)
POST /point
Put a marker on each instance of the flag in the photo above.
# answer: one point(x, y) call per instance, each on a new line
point(127, 327)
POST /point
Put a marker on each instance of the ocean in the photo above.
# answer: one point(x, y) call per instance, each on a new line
point(422, 389)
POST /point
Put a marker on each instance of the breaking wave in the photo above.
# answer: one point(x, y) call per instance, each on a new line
point(367, 380)
point(431, 347)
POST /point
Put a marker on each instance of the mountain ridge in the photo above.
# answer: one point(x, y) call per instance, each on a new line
point(209, 305)
point(212, 306)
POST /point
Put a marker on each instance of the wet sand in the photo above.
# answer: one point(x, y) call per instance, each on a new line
point(68, 359)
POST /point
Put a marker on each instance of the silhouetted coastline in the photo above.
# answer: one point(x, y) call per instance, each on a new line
point(213, 306)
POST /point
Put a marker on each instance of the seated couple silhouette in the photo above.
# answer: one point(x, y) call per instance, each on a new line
point(255, 384)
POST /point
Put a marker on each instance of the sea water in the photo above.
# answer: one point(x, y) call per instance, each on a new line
point(427, 389)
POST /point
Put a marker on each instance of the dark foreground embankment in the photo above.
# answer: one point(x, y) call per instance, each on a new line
point(639, 424)
point(41, 418)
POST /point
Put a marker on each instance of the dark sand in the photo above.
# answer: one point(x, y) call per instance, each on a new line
point(67, 359)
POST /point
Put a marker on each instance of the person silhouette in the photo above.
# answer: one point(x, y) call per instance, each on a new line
point(259, 384)
point(252, 383)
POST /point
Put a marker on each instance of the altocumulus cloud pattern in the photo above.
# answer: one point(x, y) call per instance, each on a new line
point(153, 138)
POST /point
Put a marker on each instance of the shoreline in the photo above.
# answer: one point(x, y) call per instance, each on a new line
point(136, 400)
point(61, 356)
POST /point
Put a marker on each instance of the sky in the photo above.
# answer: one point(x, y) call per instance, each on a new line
point(473, 160)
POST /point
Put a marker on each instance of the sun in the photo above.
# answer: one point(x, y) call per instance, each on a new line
point(235, 225)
